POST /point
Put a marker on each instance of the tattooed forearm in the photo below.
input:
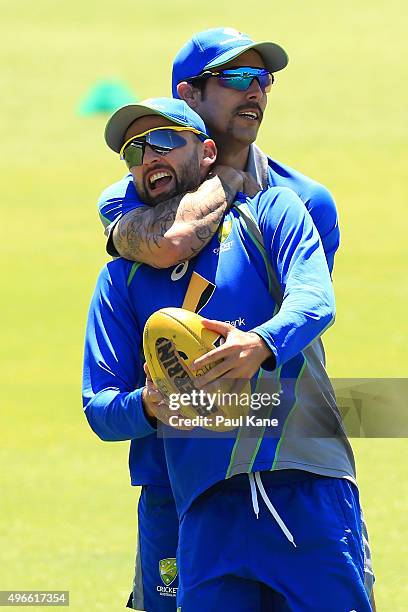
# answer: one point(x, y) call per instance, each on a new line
point(177, 229)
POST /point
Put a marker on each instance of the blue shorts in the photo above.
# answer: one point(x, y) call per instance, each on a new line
point(230, 560)
point(156, 576)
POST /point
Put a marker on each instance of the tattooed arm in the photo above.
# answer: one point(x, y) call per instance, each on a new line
point(177, 229)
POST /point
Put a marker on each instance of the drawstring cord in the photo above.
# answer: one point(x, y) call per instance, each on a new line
point(255, 482)
point(254, 496)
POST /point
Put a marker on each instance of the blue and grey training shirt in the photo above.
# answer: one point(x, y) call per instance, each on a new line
point(283, 292)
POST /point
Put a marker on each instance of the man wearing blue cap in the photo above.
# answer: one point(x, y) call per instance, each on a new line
point(305, 481)
point(156, 575)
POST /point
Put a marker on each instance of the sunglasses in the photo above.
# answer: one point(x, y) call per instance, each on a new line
point(240, 78)
point(161, 139)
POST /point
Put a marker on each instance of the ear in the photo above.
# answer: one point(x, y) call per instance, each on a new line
point(191, 95)
point(209, 155)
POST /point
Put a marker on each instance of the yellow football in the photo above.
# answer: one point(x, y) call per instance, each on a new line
point(172, 339)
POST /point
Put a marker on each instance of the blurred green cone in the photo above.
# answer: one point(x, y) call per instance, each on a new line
point(105, 97)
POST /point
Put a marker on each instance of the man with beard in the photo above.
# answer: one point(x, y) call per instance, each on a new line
point(156, 577)
point(210, 478)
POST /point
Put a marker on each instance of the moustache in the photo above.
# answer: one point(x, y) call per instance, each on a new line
point(157, 167)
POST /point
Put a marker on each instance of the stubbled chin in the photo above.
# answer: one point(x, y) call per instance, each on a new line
point(245, 136)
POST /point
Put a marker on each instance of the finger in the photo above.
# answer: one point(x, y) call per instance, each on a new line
point(218, 326)
point(155, 397)
point(221, 352)
point(164, 407)
point(216, 372)
point(163, 413)
point(150, 385)
point(154, 393)
point(146, 371)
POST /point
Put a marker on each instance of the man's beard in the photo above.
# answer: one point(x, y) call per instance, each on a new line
point(187, 178)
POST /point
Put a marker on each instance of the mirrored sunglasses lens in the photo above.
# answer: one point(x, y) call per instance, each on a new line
point(133, 154)
point(161, 141)
point(265, 82)
point(242, 79)
point(166, 140)
point(235, 81)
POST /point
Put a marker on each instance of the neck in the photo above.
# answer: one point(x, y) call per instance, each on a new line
point(236, 157)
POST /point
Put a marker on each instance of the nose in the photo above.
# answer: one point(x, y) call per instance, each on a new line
point(150, 155)
point(254, 91)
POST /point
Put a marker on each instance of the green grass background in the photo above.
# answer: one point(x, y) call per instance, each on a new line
point(338, 113)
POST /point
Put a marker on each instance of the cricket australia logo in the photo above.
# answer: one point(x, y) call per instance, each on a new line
point(223, 235)
point(168, 571)
point(225, 230)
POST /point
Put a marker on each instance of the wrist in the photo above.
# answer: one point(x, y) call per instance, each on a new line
point(231, 187)
point(266, 356)
point(217, 191)
point(149, 414)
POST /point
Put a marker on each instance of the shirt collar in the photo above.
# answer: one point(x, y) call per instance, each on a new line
point(257, 165)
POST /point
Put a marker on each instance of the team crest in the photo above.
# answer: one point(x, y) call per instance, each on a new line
point(225, 230)
point(168, 570)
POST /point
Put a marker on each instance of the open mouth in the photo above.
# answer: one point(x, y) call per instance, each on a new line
point(157, 180)
point(250, 115)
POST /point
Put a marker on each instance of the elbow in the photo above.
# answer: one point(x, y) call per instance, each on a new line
point(321, 311)
point(170, 255)
point(165, 253)
point(328, 320)
point(328, 311)
point(321, 308)
point(176, 246)
point(101, 432)
point(173, 250)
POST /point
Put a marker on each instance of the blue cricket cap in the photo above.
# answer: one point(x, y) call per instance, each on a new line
point(218, 46)
point(177, 111)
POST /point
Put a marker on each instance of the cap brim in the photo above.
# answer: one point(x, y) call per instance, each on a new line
point(118, 124)
point(274, 57)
